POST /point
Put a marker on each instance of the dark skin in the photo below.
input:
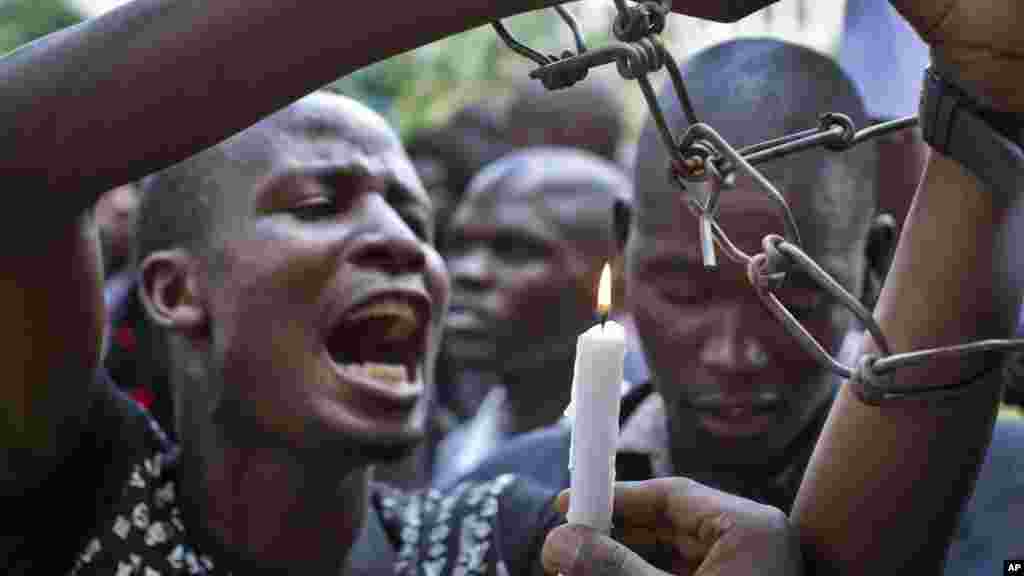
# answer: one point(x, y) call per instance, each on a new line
point(54, 333)
point(914, 478)
point(446, 158)
point(527, 247)
point(325, 214)
point(117, 215)
point(55, 312)
point(907, 468)
point(156, 43)
point(738, 390)
point(588, 115)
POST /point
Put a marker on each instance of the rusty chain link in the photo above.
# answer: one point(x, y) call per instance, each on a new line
point(701, 154)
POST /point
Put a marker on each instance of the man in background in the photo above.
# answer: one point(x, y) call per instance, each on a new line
point(527, 246)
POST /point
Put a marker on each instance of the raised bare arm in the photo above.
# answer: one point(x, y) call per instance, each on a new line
point(117, 97)
point(886, 484)
point(154, 81)
point(125, 94)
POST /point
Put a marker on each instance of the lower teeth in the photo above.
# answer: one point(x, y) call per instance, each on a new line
point(391, 373)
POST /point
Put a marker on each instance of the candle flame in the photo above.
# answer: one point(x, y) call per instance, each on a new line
point(604, 290)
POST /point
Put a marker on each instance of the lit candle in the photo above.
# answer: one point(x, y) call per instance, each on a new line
point(596, 385)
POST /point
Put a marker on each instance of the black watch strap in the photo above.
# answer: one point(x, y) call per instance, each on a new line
point(988, 143)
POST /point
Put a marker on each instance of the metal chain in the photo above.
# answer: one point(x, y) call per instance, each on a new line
point(701, 154)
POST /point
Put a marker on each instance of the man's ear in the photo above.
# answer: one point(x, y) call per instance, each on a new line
point(879, 250)
point(168, 288)
point(622, 212)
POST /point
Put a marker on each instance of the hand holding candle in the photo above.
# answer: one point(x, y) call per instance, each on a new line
point(596, 385)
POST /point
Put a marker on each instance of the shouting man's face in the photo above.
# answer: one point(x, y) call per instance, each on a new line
point(321, 291)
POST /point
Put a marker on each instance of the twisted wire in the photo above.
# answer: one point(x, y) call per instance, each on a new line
point(702, 154)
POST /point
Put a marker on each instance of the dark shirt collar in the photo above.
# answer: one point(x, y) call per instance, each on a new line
point(373, 552)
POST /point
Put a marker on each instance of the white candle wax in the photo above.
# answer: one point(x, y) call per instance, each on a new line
point(596, 386)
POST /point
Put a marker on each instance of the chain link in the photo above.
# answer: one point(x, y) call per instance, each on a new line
point(701, 154)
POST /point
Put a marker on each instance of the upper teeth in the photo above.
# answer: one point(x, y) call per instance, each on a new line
point(387, 372)
point(403, 317)
point(390, 373)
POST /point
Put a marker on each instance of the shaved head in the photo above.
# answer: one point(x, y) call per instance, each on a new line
point(528, 243)
point(573, 189)
point(588, 116)
point(752, 90)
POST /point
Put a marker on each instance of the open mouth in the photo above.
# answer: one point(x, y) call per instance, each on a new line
point(738, 416)
point(737, 407)
point(382, 341)
point(465, 321)
point(740, 410)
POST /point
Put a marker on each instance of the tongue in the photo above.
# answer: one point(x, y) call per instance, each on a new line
point(399, 317)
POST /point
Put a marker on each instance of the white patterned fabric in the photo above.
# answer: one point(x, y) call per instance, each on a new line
point(145, 534)
point(475, 529)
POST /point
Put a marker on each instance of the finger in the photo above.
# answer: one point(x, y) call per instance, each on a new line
point(575, 550)
point(678, 512)
point(624, 530)
point(679, 502)
point(661, 550)
point(681, 545)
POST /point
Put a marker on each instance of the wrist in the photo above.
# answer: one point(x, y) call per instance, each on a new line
point(976, 81)
point(987, 141)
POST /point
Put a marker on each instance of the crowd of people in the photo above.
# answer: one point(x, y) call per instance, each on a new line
point(260, 333)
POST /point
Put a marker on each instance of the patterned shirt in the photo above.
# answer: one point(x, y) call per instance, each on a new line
point(477, 528)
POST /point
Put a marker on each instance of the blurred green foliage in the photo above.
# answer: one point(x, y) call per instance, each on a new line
point(22, 21)
point(423, 87)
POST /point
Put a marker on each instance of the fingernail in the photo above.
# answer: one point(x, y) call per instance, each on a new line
point(562, 549)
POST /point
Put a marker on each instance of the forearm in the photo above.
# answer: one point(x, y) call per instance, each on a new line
point(886, 484)
point(154, 81)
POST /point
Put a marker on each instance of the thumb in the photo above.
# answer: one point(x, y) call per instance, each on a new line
point(576, 550)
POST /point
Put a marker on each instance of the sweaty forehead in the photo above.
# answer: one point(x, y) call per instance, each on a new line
point(320, 132)
point(322, 128)
point(325, 115)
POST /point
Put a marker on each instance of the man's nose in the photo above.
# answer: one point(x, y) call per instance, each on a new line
point(472, 269)
point(729, 347)
point(389, 245)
